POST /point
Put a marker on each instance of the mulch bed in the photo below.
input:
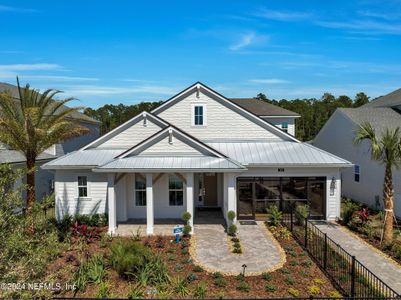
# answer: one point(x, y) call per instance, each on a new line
point(298, 273)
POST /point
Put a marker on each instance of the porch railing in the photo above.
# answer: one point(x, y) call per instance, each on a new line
point(345, 270)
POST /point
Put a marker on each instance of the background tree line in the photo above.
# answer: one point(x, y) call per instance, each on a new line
point(314, 112)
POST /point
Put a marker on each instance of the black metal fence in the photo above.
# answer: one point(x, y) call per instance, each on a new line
point(346, 271)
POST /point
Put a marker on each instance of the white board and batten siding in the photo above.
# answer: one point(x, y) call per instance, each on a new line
point(66, 190)
point(176, 147)
point(221, 121)
point(131, 136)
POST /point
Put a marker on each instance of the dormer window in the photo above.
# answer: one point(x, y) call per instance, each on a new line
point(284, 126)
point(198, 115)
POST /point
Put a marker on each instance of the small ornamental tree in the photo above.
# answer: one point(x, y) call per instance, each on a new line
point(231, 215)
point(186, 216)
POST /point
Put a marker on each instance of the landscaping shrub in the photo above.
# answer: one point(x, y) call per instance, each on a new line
point(289, 280)
point(301, 213)
point(243, 286)
point(180, 286)
point(217, 275)
point(103, 291)
point(184, 251)
point(276, 216)
point(348, 208)
point(186, 231)
point(92, 271)
point(186, 216)
point(293, 292)
point(84, 232)
point(220, 282)
point(270, 288)
point(232, 230)
point(191, 277)
point(280, 232)
point(235, 240)
point(200, 291)
point(128, 258)
point(313, 290)
point(231, 215)
point(136, 291)
point(237, 250)
point(266, 276)
point(197, 269)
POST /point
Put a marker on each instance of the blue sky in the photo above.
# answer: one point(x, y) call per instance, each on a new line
point(128, 51)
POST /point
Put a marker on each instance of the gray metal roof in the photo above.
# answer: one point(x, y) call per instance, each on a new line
point(263, 108)
point(278, 153)
point(379, 117)
point(170, 163)
point(83, 158)
point(390, 100)
point(14, 156)
point(13, 90)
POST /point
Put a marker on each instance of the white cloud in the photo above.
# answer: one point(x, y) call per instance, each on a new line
point(269, 81)
point(6, 8)
point(58, 78)
point(28, 67)
point(284, 16)
point(245, 41)
point(364, 26)
point(95, 90)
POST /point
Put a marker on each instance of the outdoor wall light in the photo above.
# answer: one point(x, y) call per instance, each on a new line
point(332, 186)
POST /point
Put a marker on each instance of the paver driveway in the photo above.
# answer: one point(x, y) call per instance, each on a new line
point(261, 252)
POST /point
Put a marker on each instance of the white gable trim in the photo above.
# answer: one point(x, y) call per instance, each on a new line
point(165, 132)
point(142, 116)
point(198, 86)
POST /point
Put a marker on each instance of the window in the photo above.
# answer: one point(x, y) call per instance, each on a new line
point(284, 126)
point(176, 191)
point(82, 186)
point(198, 115)
point(140, 191)
point(357, 173)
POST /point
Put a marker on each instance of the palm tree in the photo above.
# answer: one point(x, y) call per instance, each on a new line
point(32, 123)
point(386, 149)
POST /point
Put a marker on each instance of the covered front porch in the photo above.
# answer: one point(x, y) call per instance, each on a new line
point(152, 203)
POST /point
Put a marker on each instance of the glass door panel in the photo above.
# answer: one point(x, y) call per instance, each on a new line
point(317, 199)
point(245, 200)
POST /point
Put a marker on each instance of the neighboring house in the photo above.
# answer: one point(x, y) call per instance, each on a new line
point(276, 115)
point(198, 149)
point(363, 182)
point(44, 179)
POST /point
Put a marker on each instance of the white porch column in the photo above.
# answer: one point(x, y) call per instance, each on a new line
point(111, 194)
point(149, 204)
point(190, 198)
point(229, 179)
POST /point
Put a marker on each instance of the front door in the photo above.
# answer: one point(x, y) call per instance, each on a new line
point(245, 200)
point(210, 195)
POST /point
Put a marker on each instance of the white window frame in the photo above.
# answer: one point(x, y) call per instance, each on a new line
point(139, 190)
point(203, 105)
point(87, 186)
point(175, 190)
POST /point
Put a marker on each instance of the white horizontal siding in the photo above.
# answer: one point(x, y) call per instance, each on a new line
point(66, 190)
point(222, 122)
point(164, 146)
point(131, 136)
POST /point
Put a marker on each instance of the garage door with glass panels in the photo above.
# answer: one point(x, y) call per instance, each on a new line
point(257, 194)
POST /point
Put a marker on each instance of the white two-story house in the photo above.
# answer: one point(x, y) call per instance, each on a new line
point(198, 149)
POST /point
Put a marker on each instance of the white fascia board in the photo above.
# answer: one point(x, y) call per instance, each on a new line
point(299, 165)
point(100, 170)
point(279, 116)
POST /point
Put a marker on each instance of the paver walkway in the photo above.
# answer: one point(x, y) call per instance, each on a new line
point(388, 271)
point(260, 252)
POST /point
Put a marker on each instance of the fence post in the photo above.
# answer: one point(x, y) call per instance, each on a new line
point(353, 277)
point(306, 233)
point(325, 252)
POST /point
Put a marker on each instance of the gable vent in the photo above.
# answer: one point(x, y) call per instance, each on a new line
point(170, 136)
point(145, 121)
